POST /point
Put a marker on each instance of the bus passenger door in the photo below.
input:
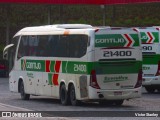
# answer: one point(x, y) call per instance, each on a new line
point(12, 61)
point(11, 65)
point(30, 82)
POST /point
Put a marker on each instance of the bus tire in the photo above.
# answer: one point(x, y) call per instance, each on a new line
point(158, 89)
point(64, 95)
point(118, 102)
point(24, 96)
point(72, 95)
point(106, 102)
point(149, 89)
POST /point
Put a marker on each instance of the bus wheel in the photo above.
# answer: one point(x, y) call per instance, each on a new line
point(72, 95)
point(118, 102)
point(149, 89)
point(24, 96)
point(63, 95)
point(106, 102)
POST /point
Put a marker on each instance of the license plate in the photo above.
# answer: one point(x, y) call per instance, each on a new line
point(118, 93)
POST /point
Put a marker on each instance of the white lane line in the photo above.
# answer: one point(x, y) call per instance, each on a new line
point(19, 108)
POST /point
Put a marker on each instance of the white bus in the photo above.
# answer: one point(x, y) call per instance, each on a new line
point(151, 58)
point(76, 62)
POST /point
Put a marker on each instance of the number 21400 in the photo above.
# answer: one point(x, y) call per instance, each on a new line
point(117, 53)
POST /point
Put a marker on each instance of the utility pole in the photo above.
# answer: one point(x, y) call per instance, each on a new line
point(103, 7)
point(7, 24)
point(49, 14)
point(61, 14)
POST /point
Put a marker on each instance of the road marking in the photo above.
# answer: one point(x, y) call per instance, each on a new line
point(10, 106)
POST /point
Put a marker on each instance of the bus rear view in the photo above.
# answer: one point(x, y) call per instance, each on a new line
point(117, 70)
point(151, 60)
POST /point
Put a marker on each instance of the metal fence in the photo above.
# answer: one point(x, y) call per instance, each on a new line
point(13, 17)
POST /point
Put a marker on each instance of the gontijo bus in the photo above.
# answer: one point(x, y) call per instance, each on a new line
point(151, 58)
point(76, 62)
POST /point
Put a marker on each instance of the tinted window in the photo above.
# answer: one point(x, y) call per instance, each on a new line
point(52, 45)
point(74, 46)
point(42, 45)
point(77, 45)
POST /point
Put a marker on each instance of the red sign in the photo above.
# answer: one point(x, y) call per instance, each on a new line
point(99, 2)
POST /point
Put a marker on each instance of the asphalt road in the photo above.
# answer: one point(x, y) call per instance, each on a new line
point(12, 101)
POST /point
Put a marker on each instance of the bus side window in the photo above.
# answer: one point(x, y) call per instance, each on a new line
point(33, 45)
point(42, 45)
point(49, 48)
point(83, 41)
point(56, 44)
point(77, 45)
point(73, 46)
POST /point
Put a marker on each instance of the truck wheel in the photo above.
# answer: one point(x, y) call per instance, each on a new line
point(149, 89)
point(24, 96)
point(63, 95)
point(72, 95)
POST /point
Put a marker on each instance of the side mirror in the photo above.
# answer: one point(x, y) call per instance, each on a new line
point(5, 51)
